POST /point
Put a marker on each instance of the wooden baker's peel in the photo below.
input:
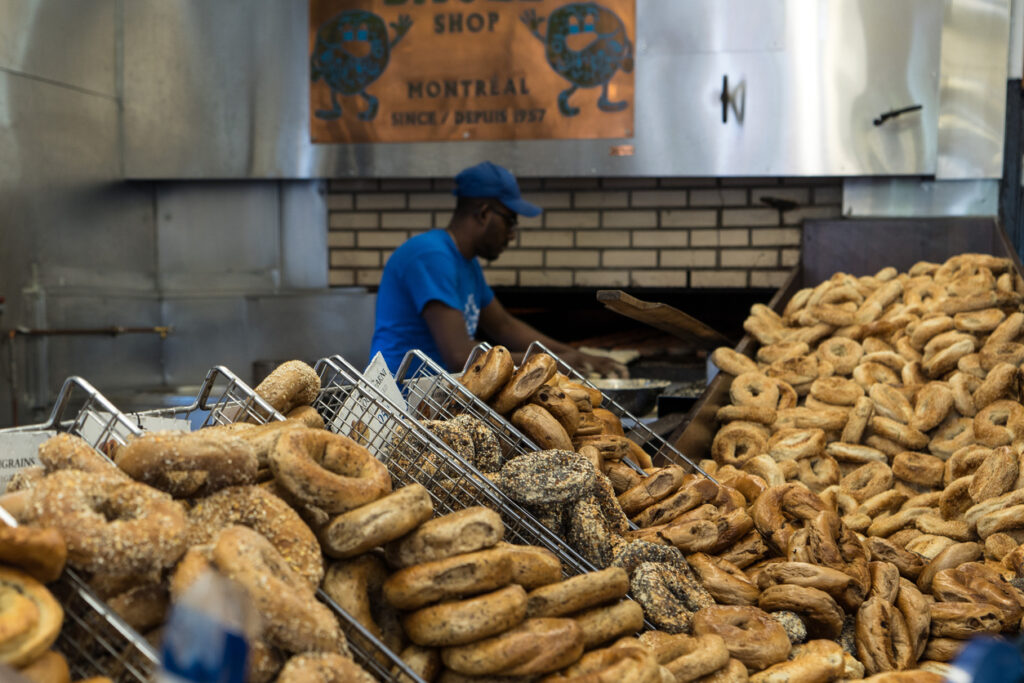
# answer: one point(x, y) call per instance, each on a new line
point(665, 318)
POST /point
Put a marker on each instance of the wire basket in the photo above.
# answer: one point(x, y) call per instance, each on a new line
point(224, 399)
point(350, 405)
point(640, 433)
point(435, 392)
point(93, 638)
point(432, 393)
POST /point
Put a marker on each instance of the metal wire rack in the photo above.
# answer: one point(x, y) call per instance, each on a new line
point(350, 405)
point(223, 399)
point(640, 433)
point(482, 348)
point(429, 390)
point(94, 639)
point(432, 393)
point(654, 445)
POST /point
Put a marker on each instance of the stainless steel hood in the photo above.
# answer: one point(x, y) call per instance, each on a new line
point(220, 90)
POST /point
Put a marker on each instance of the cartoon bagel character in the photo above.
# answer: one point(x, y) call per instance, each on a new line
point(351, 52)
point(586, 44)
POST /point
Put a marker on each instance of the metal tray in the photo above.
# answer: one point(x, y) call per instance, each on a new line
point(350, 405)
point(430, 390)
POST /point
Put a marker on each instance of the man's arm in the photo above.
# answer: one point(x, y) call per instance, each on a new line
point(516, 335)
point(448, 328)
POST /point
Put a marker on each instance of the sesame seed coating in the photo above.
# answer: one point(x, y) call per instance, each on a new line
point(487, 455)
point(291, 384)
point(110, 523)
point(630, 554)
point(552, 476)
point(259, 509)
point(590, 534)
point(669, 594)
point(795, 628)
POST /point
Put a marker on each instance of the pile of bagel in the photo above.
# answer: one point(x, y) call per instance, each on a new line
point(260, 504)
point(285, 509)
point(140, 548)
point(571, 485)
point(460, 603)
point(31, 616)
point(592, 506)
point(876, 436)
point(555, 412)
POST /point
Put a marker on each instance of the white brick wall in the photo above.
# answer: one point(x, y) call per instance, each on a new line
point(596, 232)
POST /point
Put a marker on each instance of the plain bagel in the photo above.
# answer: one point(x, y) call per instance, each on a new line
point(458, 622)
point(452, 577)
point(489, 373)
point(466, 531)
point(578, 593)
point(393, 516)
point(536, 646)
point(534, 372)
point(329, 471)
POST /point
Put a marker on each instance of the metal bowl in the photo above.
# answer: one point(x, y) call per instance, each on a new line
point(636, 394)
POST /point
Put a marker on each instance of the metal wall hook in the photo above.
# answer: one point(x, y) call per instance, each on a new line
point(896, 112)
point(736, 100)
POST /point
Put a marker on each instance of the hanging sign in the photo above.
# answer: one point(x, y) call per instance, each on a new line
point(435, 70)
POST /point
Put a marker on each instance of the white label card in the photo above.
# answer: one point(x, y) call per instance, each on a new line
point(151, 423)
point(381, 379)
point(19, 450)
point(367, 421)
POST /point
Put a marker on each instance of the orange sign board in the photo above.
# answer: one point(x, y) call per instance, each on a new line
point(435, 70)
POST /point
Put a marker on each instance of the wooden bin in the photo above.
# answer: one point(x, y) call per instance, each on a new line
point(858, 247)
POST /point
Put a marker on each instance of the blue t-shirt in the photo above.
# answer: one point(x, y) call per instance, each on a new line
point(428, 267)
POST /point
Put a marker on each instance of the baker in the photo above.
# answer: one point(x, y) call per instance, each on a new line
point(433, 295)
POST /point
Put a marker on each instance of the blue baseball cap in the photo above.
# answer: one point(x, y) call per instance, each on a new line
point(490, 181)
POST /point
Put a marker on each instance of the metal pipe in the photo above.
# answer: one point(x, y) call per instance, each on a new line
point(12, 380)
point(112, 331)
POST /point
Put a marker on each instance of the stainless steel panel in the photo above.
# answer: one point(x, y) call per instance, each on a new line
point(69, 224)
point(220, 237)
point(303, 237)
point(1015, 55)
point(109, 362)
point(721, 26)
point(208, 332)
point(61, 206)
point(71, 43)
point(972, 89)
point(204, 99)
point(911, 197)
point(202, 82)
point(238, 331)
point(312, 326)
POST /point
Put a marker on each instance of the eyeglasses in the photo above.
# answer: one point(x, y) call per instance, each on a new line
point(511, 219)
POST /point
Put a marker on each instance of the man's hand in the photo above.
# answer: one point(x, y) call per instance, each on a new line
point(585, 363)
